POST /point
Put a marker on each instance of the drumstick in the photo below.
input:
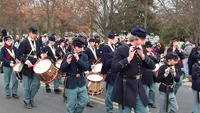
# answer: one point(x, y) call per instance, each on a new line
point(97, 61)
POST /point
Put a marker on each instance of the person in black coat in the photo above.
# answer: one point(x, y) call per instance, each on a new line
point(166, 76)
point(175, 48)
point(51, 55)
point(149, 76)
point(128, 61)
point(60, 50)
point(110, 80)
point(31, 82)
point(196, 85)
point(110, 47)
point(193, 57)
point(8, 58)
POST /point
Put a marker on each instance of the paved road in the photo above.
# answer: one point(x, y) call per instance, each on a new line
point(53, 103)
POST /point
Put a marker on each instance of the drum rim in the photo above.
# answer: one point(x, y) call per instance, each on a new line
point(97, 74)
point(57, 62)
point(94, 94)
point(39, 61)
point(14, 66)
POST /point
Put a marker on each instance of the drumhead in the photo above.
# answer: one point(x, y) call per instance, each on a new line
point(94, 77)
point(97, 67)
point(42, 66)
point(16, 67)
point(58, 63)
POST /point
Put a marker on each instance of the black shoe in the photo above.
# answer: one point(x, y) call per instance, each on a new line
point(57, 91)
point(89, 105)
point(48, 90)
point(151, 105)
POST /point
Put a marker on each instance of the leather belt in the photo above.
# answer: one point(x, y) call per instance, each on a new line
point(125, 77)
point(130, 77)
point(73, 75)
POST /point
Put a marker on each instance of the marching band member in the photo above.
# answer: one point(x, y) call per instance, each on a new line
point(31, 82)
point(107, 49)
point(110, 80)
point(8, 58)
point(166, 76)
point(91, 52)
point(196, 85)
point(175, 48)
point(51, 54)
point(74, 63)
point(60, 50)
point(128, 60)
point(149, 76)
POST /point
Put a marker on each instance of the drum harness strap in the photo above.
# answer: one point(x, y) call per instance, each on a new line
point(167, 93)
point(125, 77)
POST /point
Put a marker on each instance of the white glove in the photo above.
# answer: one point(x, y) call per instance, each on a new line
point(173, 72)
point(166, 72)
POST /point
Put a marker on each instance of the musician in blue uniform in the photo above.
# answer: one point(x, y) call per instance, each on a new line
point(91, 52)
point(51, 55)
point(60, 50)
point(175, 48)
point(166, 76)
point(74, 63)
point(128, 61)
point(99, 45)
point(149, 76)
point(110, 47)
point(31, 82)
point(196, 85)
point(110, 80)
point(8, 58)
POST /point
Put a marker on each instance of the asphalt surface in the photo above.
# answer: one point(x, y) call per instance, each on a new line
point(53, 103)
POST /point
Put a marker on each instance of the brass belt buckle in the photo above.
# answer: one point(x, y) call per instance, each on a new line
point(138, 77)
point(171, 86)
point(153, 70)
point(77, 75)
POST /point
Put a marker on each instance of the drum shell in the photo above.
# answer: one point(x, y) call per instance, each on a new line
point(49, 75)
point(96, 87)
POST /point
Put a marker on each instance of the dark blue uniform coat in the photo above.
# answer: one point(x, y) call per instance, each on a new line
point(133, 87)
point(75, 67)
point(196, 76)
point(50, 54)
point(6, 62)
point(111, 76)
point(148, 75)
point(58, 50)
point(169, 80)
point(23, 50)
point(91, 57)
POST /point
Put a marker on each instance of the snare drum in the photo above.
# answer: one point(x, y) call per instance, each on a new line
point(94, 84)
point(45, 70)
point(17, 68)
point(58, 63)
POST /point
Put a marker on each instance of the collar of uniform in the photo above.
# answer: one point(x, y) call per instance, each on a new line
point(30, 39)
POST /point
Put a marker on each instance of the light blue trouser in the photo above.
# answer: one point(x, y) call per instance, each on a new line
point(140, 108)
point(56, 83)
point(172, 103)
point(185, 67)
point(77, 99)
point(108, 102)
point(152, 91)
point(8, 72)
point(196, 108)
point(177, 85)
point(31, 87)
